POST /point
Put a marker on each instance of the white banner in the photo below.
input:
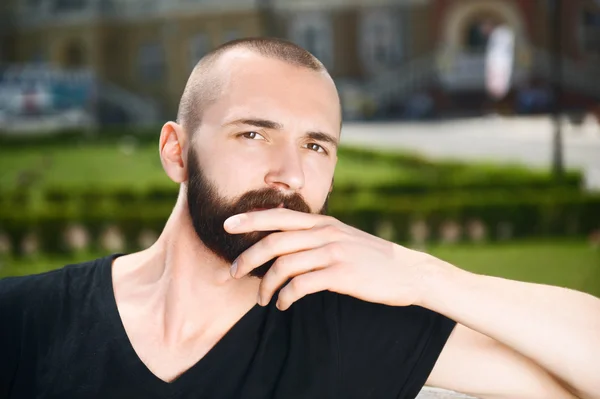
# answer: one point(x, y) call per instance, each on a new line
point(499, 61)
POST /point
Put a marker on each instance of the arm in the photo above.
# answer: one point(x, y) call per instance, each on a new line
point(557, 329)
point(476, 365)
point(535, 331)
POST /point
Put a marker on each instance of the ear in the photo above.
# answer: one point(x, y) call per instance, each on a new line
point(172, 151)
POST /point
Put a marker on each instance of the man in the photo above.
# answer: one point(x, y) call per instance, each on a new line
point(252, 292)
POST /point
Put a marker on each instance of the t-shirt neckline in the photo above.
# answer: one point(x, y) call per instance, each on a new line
point(192, 377)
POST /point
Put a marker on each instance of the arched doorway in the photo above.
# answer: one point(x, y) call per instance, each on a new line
point(476, 17)
point(478, 30)
point(467, 27)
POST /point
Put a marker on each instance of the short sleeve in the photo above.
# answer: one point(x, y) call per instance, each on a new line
point(387, 351)
point(10, 332)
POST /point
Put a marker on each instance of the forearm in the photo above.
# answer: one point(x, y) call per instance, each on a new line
point(557, 328)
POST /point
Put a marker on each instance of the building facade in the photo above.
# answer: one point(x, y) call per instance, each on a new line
point(386, 55)
point(463, 27)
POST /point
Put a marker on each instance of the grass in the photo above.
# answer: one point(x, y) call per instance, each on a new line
point(109, 165)
point(564, 263)
point(124, 164)
point(568, 264)
point(100, 165)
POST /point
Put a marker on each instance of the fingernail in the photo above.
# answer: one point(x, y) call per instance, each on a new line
point(232, 222)
point(233, 268)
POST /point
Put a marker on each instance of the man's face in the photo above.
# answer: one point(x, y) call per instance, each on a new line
point(208, 211)
point(268, 141)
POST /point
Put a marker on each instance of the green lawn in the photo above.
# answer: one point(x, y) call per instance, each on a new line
point(569, 264)
point(100, 166)
point(108, 166)
point(118, 165)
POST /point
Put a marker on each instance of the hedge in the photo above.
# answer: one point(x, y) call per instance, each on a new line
point(426, 175)
point(530, 214)
point(524, 214)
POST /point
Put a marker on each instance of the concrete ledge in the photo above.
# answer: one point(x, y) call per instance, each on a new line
point(436, 393)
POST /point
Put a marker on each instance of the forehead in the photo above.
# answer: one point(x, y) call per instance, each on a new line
point(253, 86)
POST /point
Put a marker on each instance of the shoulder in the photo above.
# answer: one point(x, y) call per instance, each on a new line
point(352, 311)
point(23, 295)
point(358, 322)
point(33, 312)
point(382, 351)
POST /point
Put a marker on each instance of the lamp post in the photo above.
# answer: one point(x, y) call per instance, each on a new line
point(555, 34)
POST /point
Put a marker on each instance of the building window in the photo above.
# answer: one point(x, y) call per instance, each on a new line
point(151, 62)
point(199, 47)
point(74, 55)
point(313, 32)
point(590, 32)
point(381, 40)
point(68, 5)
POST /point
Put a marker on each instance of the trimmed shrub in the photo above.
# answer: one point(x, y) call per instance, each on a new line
point(502, 213)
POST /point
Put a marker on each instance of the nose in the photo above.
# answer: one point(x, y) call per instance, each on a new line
point(285, 172)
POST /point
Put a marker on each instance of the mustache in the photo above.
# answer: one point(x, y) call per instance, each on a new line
point(268, 198)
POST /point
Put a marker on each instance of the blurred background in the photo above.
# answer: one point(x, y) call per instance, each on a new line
point(471, 126)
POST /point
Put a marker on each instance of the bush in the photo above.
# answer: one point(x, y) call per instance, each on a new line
point(524, 214)
point(423, 176)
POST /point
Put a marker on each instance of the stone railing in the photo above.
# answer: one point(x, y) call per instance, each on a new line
point(435, 393)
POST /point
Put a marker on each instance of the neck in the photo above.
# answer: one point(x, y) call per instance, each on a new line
point(185, 283)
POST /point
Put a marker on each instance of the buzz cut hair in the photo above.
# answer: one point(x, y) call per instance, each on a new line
point(203, 87)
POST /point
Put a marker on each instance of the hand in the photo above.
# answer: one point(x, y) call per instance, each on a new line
point(321, 253)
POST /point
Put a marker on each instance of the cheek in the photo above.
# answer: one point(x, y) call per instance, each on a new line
point(318, 177)
point(233, 172)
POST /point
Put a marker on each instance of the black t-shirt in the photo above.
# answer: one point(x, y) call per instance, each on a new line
point(61, 336)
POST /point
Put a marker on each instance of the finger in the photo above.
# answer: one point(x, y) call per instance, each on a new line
point(290, 266)
point(282, 243)
point(272, 220)
point(305, 284)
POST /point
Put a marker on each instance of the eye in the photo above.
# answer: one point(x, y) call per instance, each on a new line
point(252, 136)
point(316, 147)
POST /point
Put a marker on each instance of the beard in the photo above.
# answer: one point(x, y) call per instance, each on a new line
point(208, 211)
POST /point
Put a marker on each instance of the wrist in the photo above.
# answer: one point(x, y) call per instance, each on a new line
point(438, 281)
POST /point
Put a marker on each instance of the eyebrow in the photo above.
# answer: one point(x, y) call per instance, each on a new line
point(267, 124)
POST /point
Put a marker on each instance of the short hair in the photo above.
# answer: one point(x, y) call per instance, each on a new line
point(202, 88)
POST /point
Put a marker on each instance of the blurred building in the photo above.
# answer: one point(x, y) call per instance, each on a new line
point(140, 51)
point(463, 28)
point(391, 58)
